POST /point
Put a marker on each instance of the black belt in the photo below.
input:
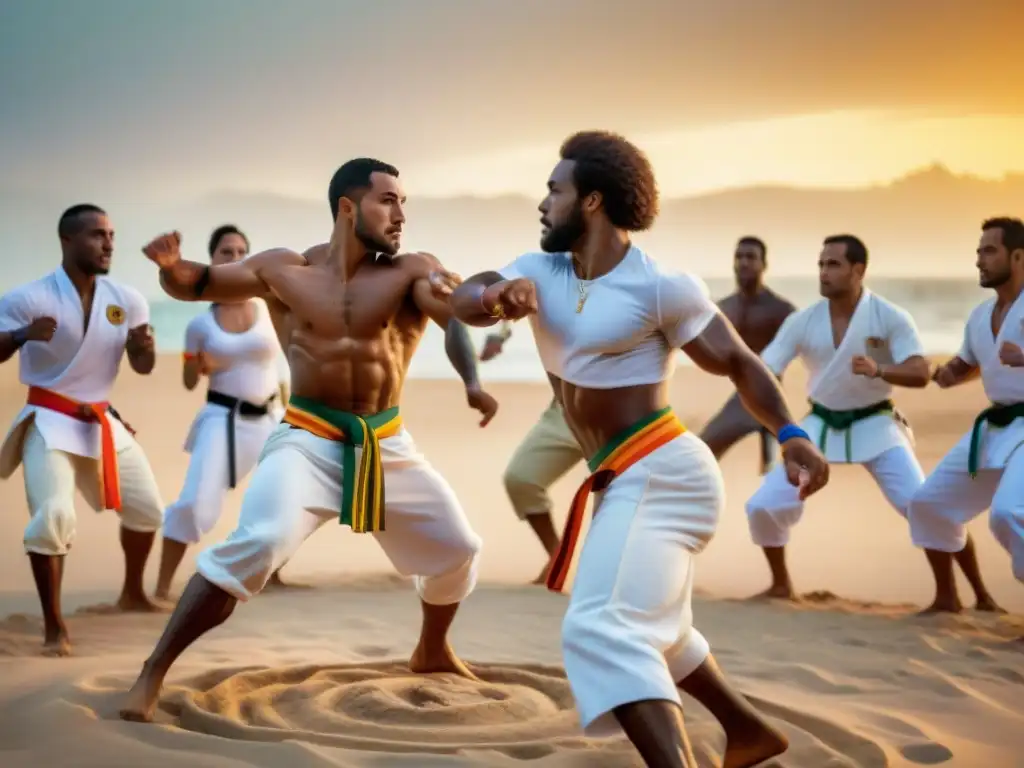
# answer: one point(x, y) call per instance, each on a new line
point(236, 407)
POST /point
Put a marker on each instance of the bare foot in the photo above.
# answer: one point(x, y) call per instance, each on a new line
point(140, 604)
point(988, 604)
point(942, 605)
point(57, 644)
point(142, 698)
point(778, 592)
point(445, 660)
point(763, 743)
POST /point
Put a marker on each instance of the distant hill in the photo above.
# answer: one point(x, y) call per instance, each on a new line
point(924, 223)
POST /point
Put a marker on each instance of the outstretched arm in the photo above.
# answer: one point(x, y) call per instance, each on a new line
point(191, 281)
point(238, 281)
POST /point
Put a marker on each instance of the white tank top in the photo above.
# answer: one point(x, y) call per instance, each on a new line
point(632, 321)
point(250, 361)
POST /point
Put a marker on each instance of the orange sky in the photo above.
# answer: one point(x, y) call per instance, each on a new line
point(108, 99)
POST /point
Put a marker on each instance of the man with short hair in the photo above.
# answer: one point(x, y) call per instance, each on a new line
point(350, 314)
point(857, 346)
point(71, 329)
point(757, 313)
point(985, 469)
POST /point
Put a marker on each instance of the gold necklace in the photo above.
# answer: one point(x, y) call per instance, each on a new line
point(582, 299)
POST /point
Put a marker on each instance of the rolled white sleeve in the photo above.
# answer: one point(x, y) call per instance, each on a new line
point(904, 340)
point(784, 348)
point(15, 311)
point(684, 308)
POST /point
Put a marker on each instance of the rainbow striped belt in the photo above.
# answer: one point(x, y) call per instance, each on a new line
point(622, 451)
point(362, 487)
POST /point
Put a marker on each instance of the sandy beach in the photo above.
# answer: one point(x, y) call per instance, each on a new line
point(309, 678)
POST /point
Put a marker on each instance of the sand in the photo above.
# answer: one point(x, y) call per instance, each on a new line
point(316, 677)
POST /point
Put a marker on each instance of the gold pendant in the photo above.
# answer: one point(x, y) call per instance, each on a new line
point(583, 298)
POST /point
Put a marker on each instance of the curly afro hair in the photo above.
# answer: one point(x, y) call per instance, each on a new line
point(607, 163)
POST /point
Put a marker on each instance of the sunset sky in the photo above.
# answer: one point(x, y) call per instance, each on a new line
point(174, 100)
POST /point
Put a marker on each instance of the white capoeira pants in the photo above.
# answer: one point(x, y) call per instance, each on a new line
point(51, 478)
point(950, 498)
point(296, 488)
point(197, 509)
point(775, 507)
point(628, 634)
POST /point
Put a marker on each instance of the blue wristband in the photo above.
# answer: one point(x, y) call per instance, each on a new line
point(790, 431)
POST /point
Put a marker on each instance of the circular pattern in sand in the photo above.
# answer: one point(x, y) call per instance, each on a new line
point(524, 711)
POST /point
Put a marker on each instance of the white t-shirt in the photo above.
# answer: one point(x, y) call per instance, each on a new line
point(632, 321)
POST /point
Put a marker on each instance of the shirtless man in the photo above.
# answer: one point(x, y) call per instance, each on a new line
point(547, 452)
point(607, 319)
point(349, 318)
point(756, 312)
point(71, 329)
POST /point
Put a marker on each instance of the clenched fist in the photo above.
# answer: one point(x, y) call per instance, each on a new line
point(511, 299)
point(165, 250)
point(41, 329)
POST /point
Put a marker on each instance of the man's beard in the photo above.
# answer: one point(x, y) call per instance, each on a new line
point(93, 270)
point(562, 238)
point(371, 243)
point(995, 280)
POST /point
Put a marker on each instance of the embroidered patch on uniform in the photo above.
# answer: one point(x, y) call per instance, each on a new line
point(115, 314)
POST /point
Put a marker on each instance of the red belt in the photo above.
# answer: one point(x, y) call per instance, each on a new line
point(110, 484)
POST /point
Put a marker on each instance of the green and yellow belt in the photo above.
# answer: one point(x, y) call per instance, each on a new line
point(362, 486)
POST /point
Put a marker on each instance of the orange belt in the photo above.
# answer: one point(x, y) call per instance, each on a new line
point(110, 484)
point(622, 451)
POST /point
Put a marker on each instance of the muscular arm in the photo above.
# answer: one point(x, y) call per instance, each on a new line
point(457, 343)
point(465, 300)
point(720, 351)
point(238, 281)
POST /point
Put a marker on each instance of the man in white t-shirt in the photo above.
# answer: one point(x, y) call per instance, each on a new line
point(607, 319)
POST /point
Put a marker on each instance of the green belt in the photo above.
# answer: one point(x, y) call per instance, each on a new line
point(362, 487)
point(841, 421)
point(997, 416)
